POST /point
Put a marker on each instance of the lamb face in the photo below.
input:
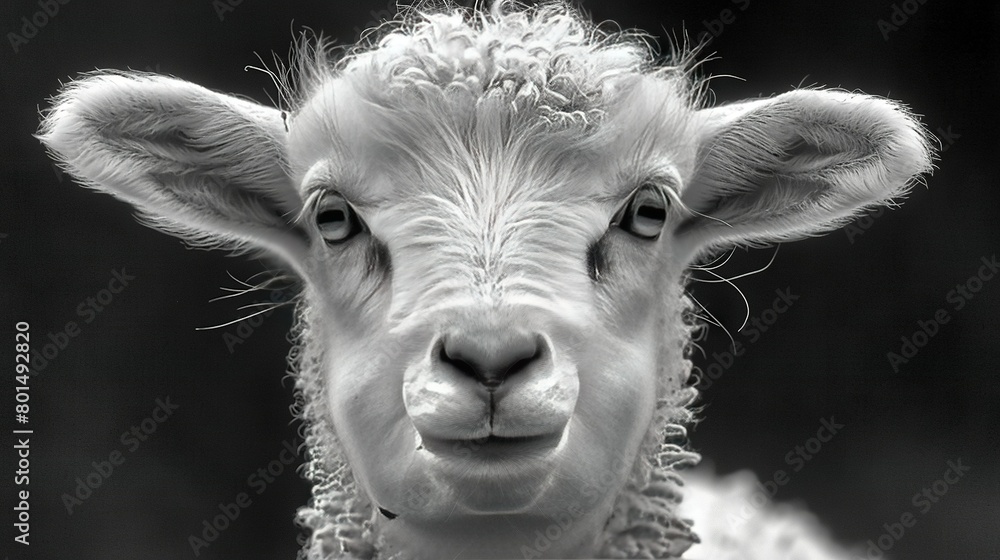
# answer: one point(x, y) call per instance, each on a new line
point(497, 295)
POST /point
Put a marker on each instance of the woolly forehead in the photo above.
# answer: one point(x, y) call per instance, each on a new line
point(377, 149)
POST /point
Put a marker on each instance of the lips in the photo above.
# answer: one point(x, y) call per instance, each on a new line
point(494, 449)
point(494, 474)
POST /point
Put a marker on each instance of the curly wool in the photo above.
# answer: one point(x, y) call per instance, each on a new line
point(547, 60)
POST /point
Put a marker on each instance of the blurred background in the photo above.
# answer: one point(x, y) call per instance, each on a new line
point(861, 292)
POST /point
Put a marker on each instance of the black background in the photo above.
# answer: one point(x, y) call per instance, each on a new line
point(825, 356)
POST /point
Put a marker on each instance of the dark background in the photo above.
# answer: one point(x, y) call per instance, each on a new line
point(825, 356)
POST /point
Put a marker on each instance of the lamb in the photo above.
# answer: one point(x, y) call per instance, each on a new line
point(492, 214)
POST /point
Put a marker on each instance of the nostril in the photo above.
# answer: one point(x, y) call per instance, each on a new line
point(490, 360)
point(522, 363)
point(458, 363)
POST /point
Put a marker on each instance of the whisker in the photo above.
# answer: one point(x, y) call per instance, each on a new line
point(250, 288)
point(261, 304)
point(256, 274)
point(234, 321)
point(238, 281)
point(236, 292)
point(711, 318)
point(746, 304)
point(720, 279)
point(737, 277)
point(711, 265)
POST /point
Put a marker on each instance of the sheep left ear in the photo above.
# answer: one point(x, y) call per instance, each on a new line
point(795, 165)
point(205, 166)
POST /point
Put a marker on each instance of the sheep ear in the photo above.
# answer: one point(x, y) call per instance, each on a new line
point(205, 166)
point(795, 165)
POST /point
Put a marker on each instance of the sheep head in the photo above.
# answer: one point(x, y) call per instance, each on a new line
point(492, 215)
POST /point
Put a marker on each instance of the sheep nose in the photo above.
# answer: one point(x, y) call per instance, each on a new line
point(491, 359)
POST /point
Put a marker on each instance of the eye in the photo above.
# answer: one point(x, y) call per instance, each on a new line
point(645, 213)
point(336, 219)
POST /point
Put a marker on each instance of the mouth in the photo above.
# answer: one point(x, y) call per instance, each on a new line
point(489, 475)
point(494, 448)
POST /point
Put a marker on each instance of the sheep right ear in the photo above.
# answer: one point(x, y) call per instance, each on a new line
point(205, 166)
point(795, 165)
